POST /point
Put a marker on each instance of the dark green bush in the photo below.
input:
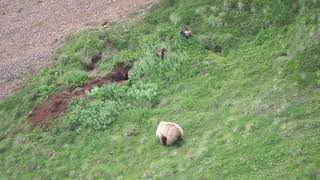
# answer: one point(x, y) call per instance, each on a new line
point(97, 115)
point(114, 92)
point(73, 78)
point(144, 94)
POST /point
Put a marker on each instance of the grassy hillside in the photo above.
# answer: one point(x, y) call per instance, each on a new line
point(245, 89)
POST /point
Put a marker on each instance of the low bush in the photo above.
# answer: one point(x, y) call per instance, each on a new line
point(43, 91)
point(113, 92)
point(97, 115)
point(144, 94)
point(73, 78)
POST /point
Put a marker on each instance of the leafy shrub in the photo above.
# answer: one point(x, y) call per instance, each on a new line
point(73, 78)
point(113, 91)
point(109, 101)
point(80, 46)
point(145, 94)
point(67, 59)
point(97, 115)
point(149, 68)
point(86, 43)
point(43, 91)
point(127, 56)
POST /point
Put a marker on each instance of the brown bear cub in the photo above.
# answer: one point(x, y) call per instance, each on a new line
point(186, 32)
point(160, 52)
point(168, 133)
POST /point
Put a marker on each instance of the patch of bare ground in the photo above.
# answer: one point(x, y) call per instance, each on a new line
point(57, 103)
point(30, 31)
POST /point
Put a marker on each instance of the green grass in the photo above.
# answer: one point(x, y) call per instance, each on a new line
point(250, 110)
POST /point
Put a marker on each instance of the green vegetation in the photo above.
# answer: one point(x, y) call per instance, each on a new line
point(245, 88)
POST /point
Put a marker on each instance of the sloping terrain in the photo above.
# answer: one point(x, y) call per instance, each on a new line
point(32, 29)
point(245, 89)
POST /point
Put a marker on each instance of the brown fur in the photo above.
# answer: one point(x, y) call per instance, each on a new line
point(161, 52)
point(186, 32)
point(168, 133)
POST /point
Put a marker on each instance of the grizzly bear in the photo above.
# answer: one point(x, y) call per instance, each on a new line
point(161, 52)
point(185, 32)
point(168, 133)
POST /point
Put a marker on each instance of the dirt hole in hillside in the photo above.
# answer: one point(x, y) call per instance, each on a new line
point(90, 63)
point(120, 73)
point(57, 103)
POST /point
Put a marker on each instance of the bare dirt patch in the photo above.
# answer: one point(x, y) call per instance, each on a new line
point(57, 103)
point(30, 30)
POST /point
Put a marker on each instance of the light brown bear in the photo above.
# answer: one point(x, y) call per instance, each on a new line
point(161, 52)
point(186, 32)
point(168, 133)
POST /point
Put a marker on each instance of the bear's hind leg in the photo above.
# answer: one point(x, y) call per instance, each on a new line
point(163, 140)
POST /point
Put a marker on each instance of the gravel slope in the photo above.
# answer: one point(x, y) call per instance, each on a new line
point(30, 30)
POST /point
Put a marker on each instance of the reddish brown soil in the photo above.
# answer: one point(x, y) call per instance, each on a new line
point(56, 104)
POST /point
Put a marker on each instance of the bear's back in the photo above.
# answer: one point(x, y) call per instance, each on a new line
point(169, 128)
